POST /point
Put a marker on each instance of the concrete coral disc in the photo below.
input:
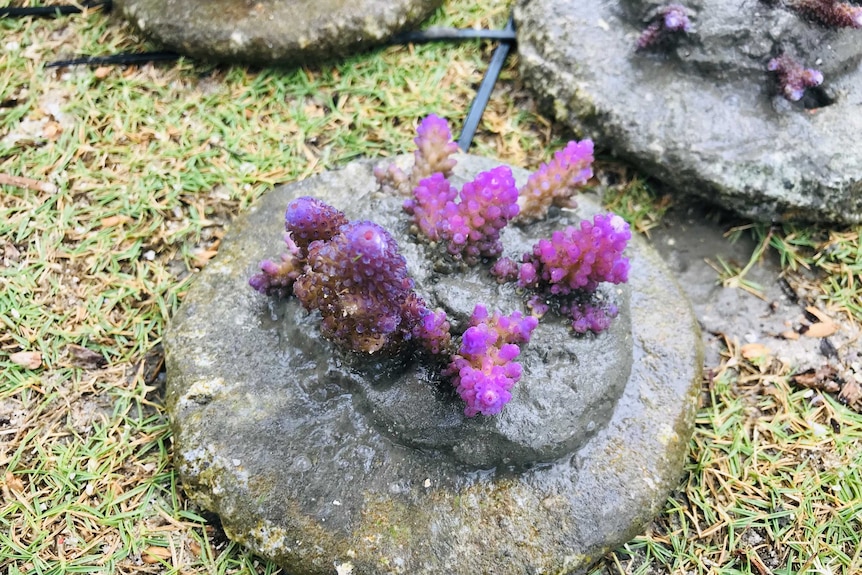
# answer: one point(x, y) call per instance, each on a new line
point(301, 452)
point(273, 31)
point(702, 113)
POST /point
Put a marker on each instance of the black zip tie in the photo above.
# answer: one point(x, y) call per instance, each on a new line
point(128, 58)
point(483, 95)
point(51, 11)
point(452, 35)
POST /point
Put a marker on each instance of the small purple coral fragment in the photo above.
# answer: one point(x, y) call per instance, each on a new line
point(830, 12)
point(359, 282)
point(276, 279)
point(471, 226)
point(505, 270)
point(306, 219)
point(538, 305)
point(568, 267)
point(433, 332)
point(434, 148)
point(554, 182)
point(428, 205)
point(668, 21)
point(578, 258)
point(484, 370)
point(589, 316)
point(793, 78)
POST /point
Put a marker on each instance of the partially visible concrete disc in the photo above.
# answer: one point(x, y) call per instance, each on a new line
point(305, 459)
point(702, 113)
point(292, 32)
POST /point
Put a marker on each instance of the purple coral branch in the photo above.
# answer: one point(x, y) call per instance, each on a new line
point(354, 275)
point(555, 181)
point(433, 154)
point(830, 12)
point(793, 78)
point(359, 282)
point(589, 315)
point(429, 204)
point(471, 226)
point(276, 279)
point(569, 266)
point(484, 371)
point(578, 258)
point(306, 219)
point(670, 20)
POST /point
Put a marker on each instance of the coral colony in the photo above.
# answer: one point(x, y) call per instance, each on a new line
point(792, 77)
point(352, 273)
point(669, 21)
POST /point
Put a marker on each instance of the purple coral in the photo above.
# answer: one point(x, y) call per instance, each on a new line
point(569, 266)
point(589, 315)
point(276, 279)
point(578, 258)
point(554, 182)
point(484, 370)
point(668, 21)
point(830, 12)
point(793, 78)
point(433, 331)
point(354, 275)
point(308, 219)
point(428, 205)
point(434, 148)
point(359, 282)
point(471, 227)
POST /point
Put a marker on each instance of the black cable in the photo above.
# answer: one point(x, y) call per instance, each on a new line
point(452, 35)
point(117, 59)
point(52, 11)
point(483, 95)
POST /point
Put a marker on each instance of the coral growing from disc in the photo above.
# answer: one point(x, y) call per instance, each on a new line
point(353, 274)
point(667, 22)
point(793, 78)
point(484, 370)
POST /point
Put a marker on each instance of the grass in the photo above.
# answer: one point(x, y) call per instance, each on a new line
point(134, 175)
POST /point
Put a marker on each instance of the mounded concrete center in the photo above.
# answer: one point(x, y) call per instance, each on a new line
point(317, 459)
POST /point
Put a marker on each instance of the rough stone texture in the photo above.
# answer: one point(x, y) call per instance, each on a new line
point(702, 114)
point(273, 31)
point(314, 465)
